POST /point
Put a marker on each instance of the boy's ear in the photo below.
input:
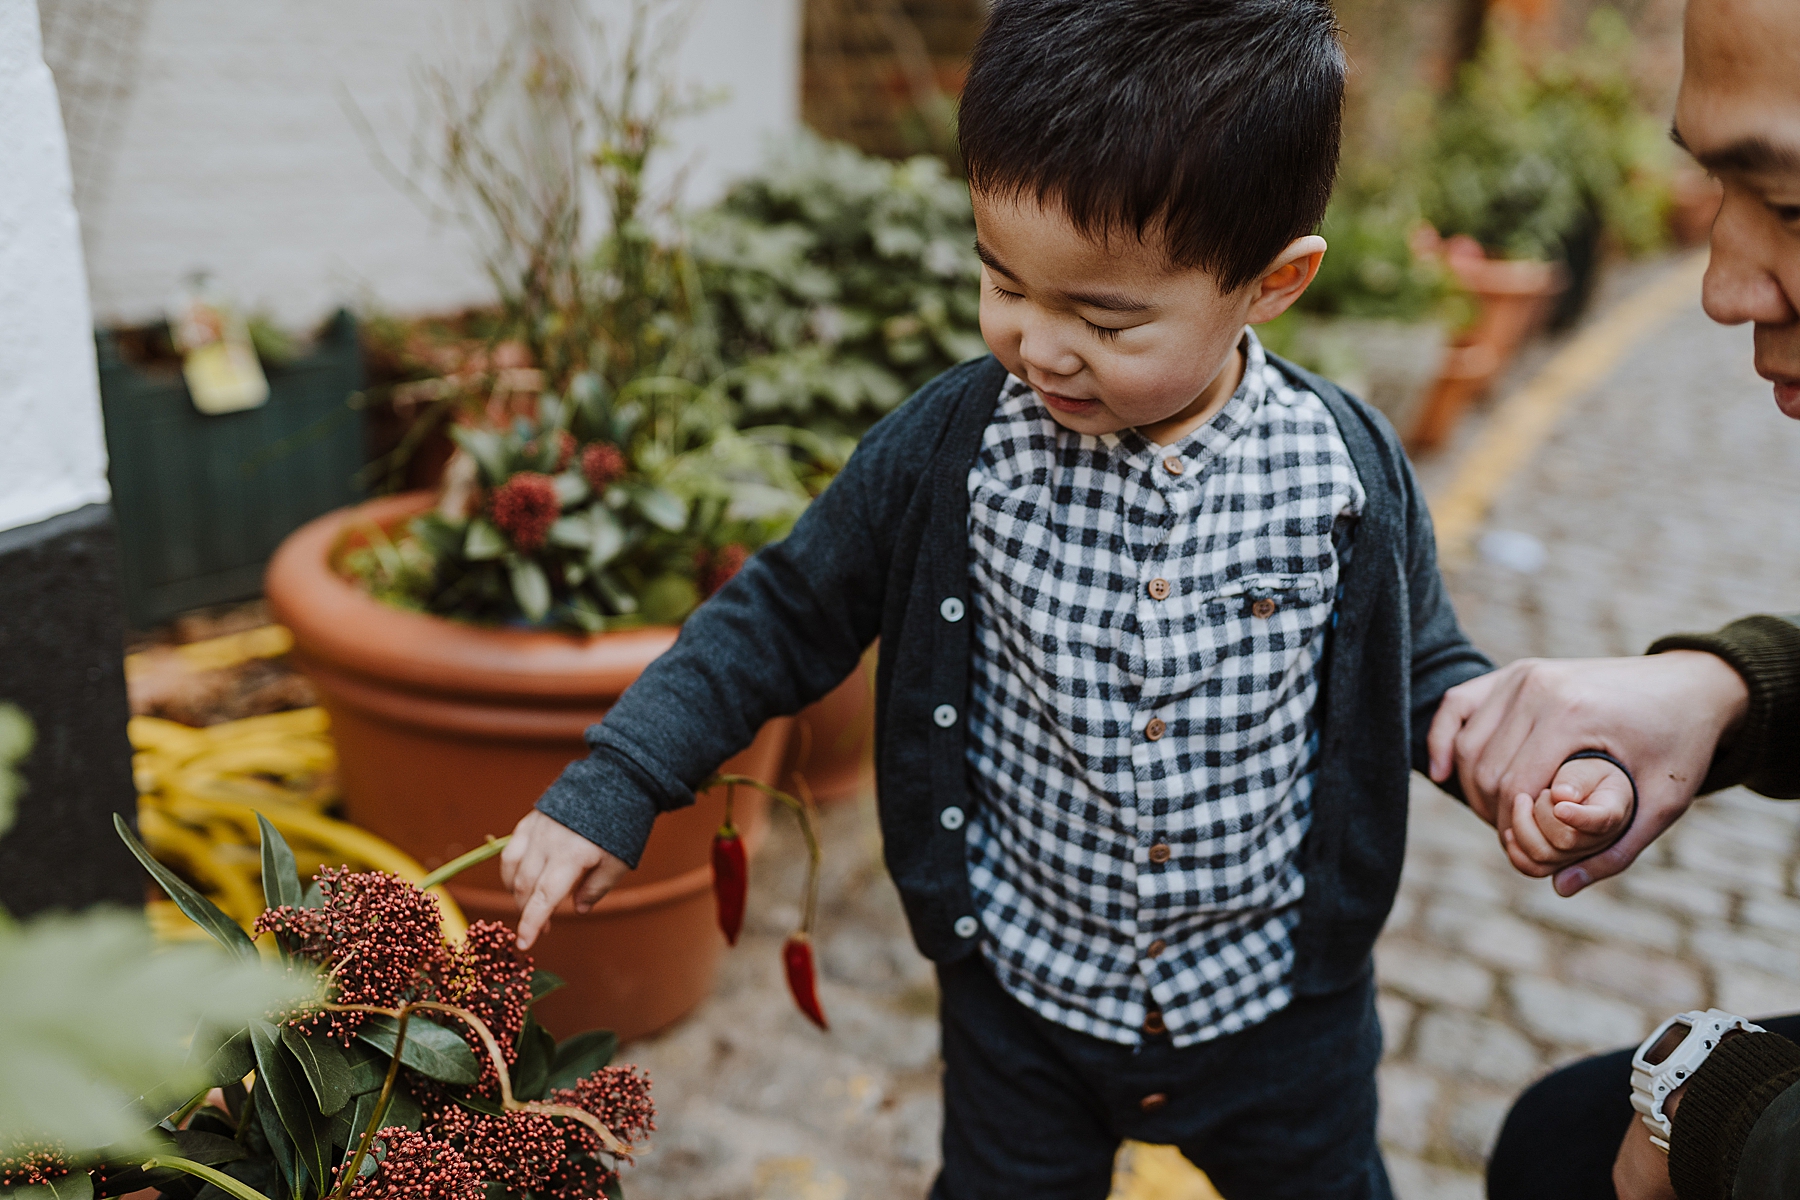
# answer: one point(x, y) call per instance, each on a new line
point(1288, 276)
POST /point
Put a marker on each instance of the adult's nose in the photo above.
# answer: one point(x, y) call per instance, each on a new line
point(1743, 282)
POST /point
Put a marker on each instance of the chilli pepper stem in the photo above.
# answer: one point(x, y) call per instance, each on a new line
point(801, 808)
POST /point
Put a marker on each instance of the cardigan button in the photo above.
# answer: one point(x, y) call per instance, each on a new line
point(1153, 1101)
point(951, 609)
point(966, 927)
point(1153, 1023)
point(944, 715)
point(951, 818)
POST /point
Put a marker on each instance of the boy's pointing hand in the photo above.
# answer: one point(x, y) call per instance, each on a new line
point(545, 862)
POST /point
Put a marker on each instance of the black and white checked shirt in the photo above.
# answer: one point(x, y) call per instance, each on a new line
point(1142, 730)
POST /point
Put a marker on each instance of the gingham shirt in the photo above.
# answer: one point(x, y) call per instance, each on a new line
point(1130, 882)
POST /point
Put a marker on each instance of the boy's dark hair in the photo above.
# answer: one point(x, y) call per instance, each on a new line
point(1213, 124)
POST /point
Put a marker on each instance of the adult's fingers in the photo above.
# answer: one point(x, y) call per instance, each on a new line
point(1457, 706)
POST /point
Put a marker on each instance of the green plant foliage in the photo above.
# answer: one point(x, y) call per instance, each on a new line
point(1370, 269)
point(840, 283)
point(108, 1050)
point(650, 494)
point(1526, 153)
point(97, 1017)
point(16, 739)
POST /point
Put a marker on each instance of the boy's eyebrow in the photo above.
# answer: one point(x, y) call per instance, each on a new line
point(1747, 156)
point(1110, 301)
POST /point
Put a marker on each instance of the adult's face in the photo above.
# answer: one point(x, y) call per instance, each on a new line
point(1739, 114)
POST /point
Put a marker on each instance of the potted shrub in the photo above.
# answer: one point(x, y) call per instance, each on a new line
point(391, 1062)
point(462, 640)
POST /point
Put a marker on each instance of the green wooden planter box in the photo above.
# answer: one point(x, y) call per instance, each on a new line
point(202, 502)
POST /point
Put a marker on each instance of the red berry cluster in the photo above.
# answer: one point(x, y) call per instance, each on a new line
point(377, 936)
point(603, 464)
point(32, 1166)
point(416, 1166)
point(716, 567)
point(620, 1097)
point(519, 1150)
point(525, 507)
point(497, 989)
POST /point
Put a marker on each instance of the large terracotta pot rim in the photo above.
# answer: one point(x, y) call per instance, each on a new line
point(343, 627)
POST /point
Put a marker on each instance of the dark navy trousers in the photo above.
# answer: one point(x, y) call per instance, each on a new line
point(1284, 1110)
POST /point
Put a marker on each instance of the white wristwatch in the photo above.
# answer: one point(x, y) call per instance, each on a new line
point(1669, 1057)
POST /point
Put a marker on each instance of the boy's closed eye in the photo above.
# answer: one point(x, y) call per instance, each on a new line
point(1583, 811)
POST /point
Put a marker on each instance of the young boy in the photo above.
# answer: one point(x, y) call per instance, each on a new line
point(1161, 631)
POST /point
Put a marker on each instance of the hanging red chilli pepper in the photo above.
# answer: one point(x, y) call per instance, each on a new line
point(731, 874)
point(797, 951)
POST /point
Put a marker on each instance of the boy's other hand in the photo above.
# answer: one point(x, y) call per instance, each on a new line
point(1505, 732)
point(1584, 810)
point(546, 861)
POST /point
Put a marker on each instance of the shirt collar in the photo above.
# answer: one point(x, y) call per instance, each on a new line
point(1199, 446)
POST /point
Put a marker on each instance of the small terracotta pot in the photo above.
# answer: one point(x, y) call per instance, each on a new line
point(1514, 298)
point(447, 733)
point(833, 747)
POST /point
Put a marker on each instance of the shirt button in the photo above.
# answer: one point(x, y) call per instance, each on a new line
point(1161, 853)
point(1154, 730)
point(951, 818)
point(966, 927)
point(1263, 609)
point(1153, 1101)
point(1155, 948)
point(1153, 1023)
point(944, 715)
point(1173, 465)
point(1159, 589)
point(951, 609)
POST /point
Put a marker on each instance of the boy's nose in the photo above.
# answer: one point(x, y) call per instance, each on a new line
point(1048, 356)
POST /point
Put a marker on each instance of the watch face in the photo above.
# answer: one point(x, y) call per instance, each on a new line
point(1672, 1037)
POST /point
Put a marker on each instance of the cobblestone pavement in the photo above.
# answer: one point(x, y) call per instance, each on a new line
point(1668, 500)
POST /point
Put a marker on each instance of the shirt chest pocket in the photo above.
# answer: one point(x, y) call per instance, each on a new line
point(1267, 616)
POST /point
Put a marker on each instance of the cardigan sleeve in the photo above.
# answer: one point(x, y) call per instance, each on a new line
point(1764, 755)
point(786, 630)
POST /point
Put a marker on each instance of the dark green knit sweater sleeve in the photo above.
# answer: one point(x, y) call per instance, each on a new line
point(1720, 1106)
point(1764, 755)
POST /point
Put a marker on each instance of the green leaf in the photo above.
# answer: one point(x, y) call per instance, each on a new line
point(543, 983)
point(486, 448)
point(281, 1079)
point(530, 588)
point(199, 909)
point(484, 541)
point(368, 1067)
point(327, 1068)
point(571, 488)
point(76, 1186)
point(613, 1189)
point(404, 1110)
point(580, 1056)
point(480, 1104)
point(573, 532)
point(348, 1125)
point(609, 535)
point(280, 877)
point(531, 1071)
point(275, 1136)
point(231, 1061)
point(208, 1148)
point(663, 509)
point(430, 1049)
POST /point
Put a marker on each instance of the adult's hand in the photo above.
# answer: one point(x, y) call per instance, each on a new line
point(1662, 715)
point(1641, 1171)
point(546, 861)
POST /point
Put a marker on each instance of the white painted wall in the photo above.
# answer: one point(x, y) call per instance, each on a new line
point(236, 153)
point(52, 451)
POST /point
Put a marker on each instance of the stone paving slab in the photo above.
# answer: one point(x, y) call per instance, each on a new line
point(1667, 500)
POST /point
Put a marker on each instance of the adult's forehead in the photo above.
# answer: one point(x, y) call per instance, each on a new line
point(1741, 74)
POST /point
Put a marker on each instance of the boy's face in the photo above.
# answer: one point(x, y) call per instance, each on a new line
point(1108, 333)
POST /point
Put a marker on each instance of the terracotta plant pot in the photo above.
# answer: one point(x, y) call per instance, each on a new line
point(833, 747)
point(448, 732)
point(1513, 299)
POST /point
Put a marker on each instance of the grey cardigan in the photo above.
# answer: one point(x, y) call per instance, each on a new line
point(884, 549)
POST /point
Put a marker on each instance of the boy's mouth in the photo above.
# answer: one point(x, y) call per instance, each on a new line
point(1066, 404)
